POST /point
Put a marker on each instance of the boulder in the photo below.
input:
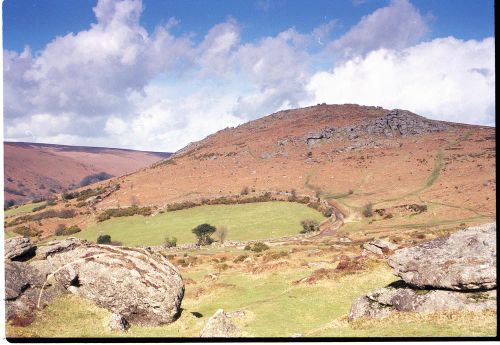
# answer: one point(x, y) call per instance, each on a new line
point(141, 286)
point(19, 248)
point(379, 247)
point(118, 323)
point(18, 277)
point(57, 246)
point(385, 301)
point(219, 326)
point(465, 260)
point(23, 283)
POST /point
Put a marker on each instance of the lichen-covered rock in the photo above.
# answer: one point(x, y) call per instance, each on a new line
point(19, 247)
point(142, 287)
point(18, 277)
point(57, 246)
point(465, 260)
point(118, 323)
point(385, 301)
point(219, 326)
point(23, 283)
point(379, 247)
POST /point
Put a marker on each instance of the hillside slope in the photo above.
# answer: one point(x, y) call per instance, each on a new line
point(39, 170)
point(363, 158)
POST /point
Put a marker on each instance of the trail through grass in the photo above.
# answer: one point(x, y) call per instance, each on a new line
point(244, 222)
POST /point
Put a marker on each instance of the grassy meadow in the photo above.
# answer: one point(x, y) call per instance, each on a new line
point(276, 304)
point(244, 222)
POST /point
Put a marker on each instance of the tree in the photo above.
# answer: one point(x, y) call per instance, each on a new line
point(221, 233)
point(104, 239)
point(309, 225)
point(203, 232)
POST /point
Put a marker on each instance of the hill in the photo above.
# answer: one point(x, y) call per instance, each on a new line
point(35, 170)
point(407, 171)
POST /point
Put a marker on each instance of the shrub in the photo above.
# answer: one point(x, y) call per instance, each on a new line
point(240, 258)
point(248, 247)
point(203, 232)
point(309, 225)
point(259, 247)
point(81, 204)
point(245, 191)
point(368, 210)
point(124, 212)
point(26, 231)
point(328, 212)
point(51, 202)
point(170, 242)
point(8, 204)
point(104, 239)
point(39, 208)
point(94, 178)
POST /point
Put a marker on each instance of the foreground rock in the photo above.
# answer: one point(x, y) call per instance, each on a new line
point(385, 301)
point(457, 272)
point(138, 286)
point(466, 260)
point(18, 248)
point(219, 326)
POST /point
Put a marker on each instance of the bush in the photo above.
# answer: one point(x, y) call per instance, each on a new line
point(170, 242)
point(26, 231)
point(328, 212)
point(8, 204)
point(104, 239)
point(257, 247)
point(39, 208)
point(124, 212)
point(309, 225)
point(368, 210)
point(81, 204)
point(240, 258)
point(203, 232)
point(94, 178)
point(245, 191)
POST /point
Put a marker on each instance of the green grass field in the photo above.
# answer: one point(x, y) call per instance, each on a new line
point(244, 222)
point(274, 306)
point(22, 209)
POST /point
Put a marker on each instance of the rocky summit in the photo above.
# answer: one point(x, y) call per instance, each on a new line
point(139, 286)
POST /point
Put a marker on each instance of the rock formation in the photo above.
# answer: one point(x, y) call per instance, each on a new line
point(139, 286)
point(457, 272)
point(466, 260)
point(219, 326)
point(379, 247)
point(18, 247)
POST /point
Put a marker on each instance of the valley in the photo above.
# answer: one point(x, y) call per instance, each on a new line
point(361, 174)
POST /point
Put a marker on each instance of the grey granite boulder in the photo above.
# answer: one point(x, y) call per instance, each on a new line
point(385, 301)
point(465, 260)
point(18, 247)
point(379, 247)
point(219, 326)
point(143, 287)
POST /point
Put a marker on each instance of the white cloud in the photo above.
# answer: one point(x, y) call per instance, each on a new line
point(117, 85)
point(445, 79)
point(396, 26)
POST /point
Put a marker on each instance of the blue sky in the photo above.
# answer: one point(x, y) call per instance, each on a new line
point(170, 72)
point(37, 22)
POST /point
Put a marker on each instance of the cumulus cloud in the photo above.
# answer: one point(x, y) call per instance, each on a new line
point(446, 79)
point(116, 84)
point(396, 26)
